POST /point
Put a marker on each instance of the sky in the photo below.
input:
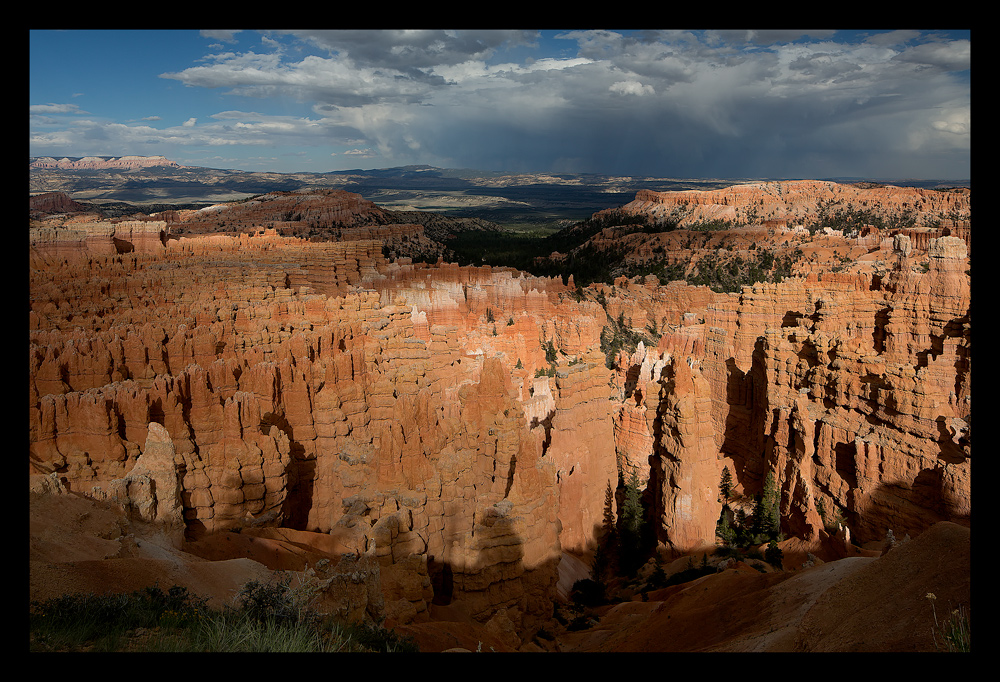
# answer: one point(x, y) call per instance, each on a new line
point(892, 104)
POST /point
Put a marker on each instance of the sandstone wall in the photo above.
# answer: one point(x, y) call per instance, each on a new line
point(53, 244)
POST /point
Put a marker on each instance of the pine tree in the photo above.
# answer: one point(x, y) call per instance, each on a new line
point(724, 530)
point(609, 514)
point(607, 543)
point(631, 520)
point(767, 519)
point(726, 484)
point(773, 554)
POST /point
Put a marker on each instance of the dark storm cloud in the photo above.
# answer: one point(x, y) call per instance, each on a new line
point(411, 51)
point(723, 103)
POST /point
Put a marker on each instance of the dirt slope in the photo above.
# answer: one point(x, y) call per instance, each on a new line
point(853, 604)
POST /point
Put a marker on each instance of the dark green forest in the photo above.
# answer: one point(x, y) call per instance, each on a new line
point(530, 251)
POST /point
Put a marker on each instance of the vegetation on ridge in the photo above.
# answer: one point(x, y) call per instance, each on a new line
point(737, 530)
point(587, 263)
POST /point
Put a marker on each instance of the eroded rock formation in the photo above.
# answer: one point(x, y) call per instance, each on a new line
point(807, 227)
point(797, 202)
point(351, 412)
point(460, 426)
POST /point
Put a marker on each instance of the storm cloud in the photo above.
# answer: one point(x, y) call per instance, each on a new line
point(663, 103)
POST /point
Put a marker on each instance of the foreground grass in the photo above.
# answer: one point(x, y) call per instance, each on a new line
point(265, 618)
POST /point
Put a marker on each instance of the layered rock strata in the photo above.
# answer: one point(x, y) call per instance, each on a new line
point(301, 387)
point(854, 390)
point(797, 202)
point(818, 226)
point(461, 426)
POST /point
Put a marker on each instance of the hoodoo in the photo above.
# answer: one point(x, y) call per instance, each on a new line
point(461, 431)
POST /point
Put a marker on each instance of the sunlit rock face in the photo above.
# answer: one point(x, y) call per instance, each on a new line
point(463, 425)
point(853, 390)
point(318, 386)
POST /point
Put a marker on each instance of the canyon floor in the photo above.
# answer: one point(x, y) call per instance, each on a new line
point(300, 383)
point(865, 603)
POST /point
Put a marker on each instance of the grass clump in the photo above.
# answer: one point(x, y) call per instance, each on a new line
point(105, 622)
point(264, 617)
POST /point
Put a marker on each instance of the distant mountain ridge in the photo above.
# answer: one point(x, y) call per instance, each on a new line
point(101, 162)
point(523, 201)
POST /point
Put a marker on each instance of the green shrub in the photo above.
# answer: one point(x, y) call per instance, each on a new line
point(268, 602)
point(265, 617)
point(617, 336)
point(379, 639)
point(729, 551)
point(588, 592)
point(581, 622)
point(688, 575)
point(102, 622)
point(723, 530)
point(773, 555)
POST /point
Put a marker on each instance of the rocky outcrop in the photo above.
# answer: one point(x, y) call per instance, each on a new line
point(320, 215)
point(306, 209)
point(52, 202)
point(853, 390)
point(151, 493)
point(52, 244)
point(688, 468)
point(768, 231)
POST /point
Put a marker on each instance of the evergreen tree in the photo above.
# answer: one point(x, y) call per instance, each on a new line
point(658, 578)
point(607, 543)
point(600, 564)
point(767, 518)
point(741, 529)
point(630, 525)
point(726, 484)
point(609, 533)
point(724, 530)
point(773, 554)
point(550, 352)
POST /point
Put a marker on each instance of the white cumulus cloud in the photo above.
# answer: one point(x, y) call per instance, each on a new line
point(632, 88)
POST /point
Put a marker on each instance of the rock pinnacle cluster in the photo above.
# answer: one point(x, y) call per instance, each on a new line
point(452, 432)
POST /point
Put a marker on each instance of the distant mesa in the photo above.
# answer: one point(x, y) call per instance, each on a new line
point(101, 162)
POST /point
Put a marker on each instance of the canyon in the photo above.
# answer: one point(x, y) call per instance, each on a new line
point(299, 382)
